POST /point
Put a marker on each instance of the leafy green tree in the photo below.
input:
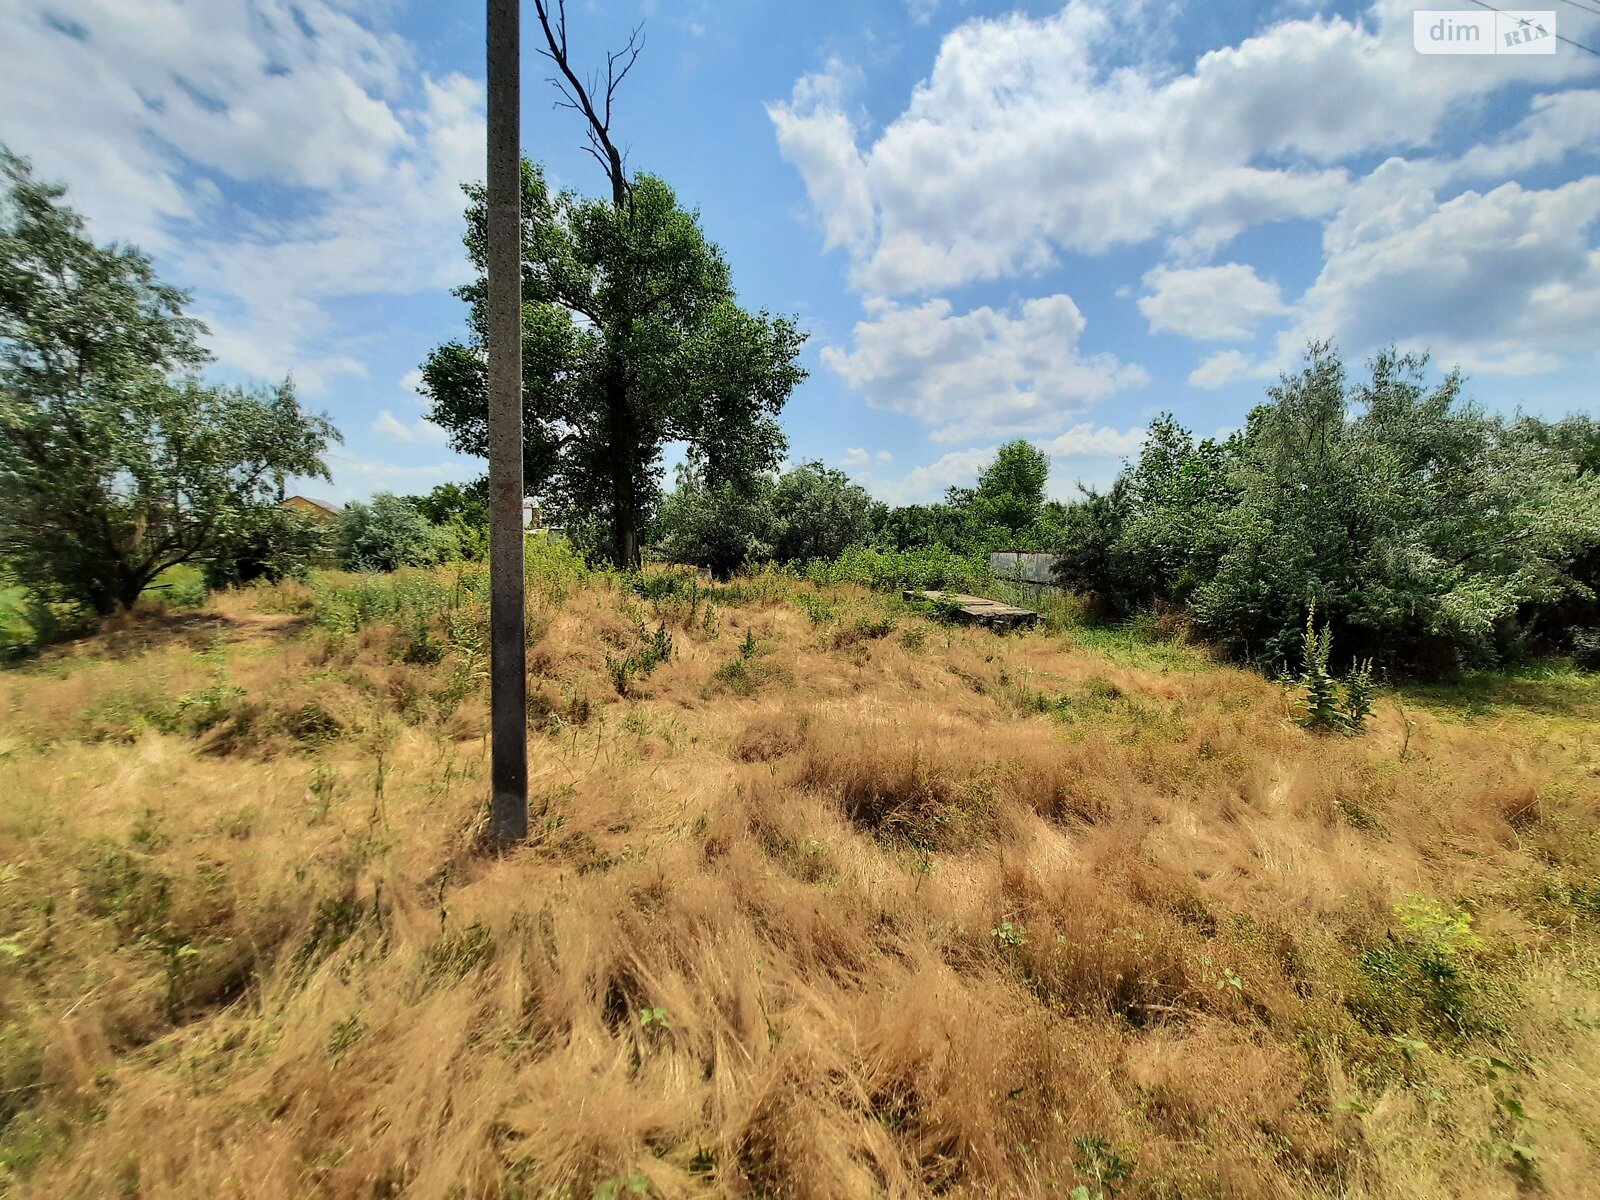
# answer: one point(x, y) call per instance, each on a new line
point(1092, 557)
point(460, 512)
point(1417, 523)
point(115, 464)
point(1177, 491)
point(387, 534)
point(1572, 621)
point(1424, 531)
point(274, 542)
point(1010, 491)
point(820, 513)
point(465, 502)
point(632, 338)
point(956, 527)
point(721, 526)
point(1006, 510)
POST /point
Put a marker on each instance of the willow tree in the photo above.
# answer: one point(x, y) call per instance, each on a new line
point(116, 461)
point(632, 338)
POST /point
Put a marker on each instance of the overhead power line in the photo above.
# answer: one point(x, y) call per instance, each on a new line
point(1588, 8)
point(1558, 37)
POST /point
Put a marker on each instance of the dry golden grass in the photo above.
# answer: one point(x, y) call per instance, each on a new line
point(834, 902)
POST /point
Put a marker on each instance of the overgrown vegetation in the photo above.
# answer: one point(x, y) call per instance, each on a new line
point(808, 514)
point(116, 461)
point(1429, 534)
point(827, 895)
point(810, 908)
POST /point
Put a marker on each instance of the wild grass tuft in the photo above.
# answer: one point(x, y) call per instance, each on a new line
point(832, 902)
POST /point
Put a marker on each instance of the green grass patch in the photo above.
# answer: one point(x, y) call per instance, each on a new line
point(926, 569)
point(1549, 689)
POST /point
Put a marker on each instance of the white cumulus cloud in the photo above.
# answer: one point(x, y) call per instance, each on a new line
point(858, 456)
point(1032, 136)
point(1209, 303)
point(179, 111)
point(985, 372)
point(391, 426)
point(1087, 441)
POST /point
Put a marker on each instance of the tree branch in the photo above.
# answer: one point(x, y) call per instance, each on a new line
point(581, 99)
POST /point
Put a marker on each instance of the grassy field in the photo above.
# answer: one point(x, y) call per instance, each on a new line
point(824, 899)
point(177, 587)
point(14, 625)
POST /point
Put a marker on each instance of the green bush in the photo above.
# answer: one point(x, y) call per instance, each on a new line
point(390, 533)
point(275, 543)
point(819, 514)
point(1422, 529)
point(1586, 648)
point(721, 526)
point(1324, 705)
point(929, 568)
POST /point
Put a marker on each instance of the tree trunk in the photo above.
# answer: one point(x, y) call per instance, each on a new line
point(624, 508)
point(123, 593)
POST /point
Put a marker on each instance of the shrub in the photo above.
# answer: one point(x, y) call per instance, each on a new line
point(1321, 706)
point(819, 514)
point(722, 526)
point(1423, 529)
point(929, 568)
point(277, 543)
point(1586, 648)
point(390, 533)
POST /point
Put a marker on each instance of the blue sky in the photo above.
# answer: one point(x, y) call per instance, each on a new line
point(994, 219)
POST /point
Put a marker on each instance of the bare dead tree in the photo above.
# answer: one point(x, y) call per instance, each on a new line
point(592, 99)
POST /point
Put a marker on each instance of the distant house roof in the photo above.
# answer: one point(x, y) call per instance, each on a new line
point(322, 506)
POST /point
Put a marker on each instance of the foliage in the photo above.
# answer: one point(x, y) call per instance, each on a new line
point(748, 670)
point(632, 338)
point(1423, 529)
point(806, 514)
point(274, 543)
point(114, 464)
point(466, 502)
point(26, 621)
point(1358, 695)
point(722, 526)
point(820, 514)
point(1586, 648)
point(460, 511)
point(1006, 510)
point(1558, 625)
point(1010, 491)
point(930, 568)
point(1421, 979)
point(1095, 1158)
point(916, 526)
point(1321, 706)
point(653, 650)
point(1092, 556)
point(389, 533)
point(347, 604)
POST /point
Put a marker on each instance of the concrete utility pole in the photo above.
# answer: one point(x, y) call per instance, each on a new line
point(508, 685)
